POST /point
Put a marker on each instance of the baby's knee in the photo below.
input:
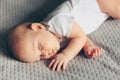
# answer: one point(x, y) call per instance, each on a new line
point(118, 10)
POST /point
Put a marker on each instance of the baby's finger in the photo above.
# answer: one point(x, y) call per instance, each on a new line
point(55, 65)
point(64, 66)
point(95, 53)
point(59, 66)
point(51, 63)
point(100, 51)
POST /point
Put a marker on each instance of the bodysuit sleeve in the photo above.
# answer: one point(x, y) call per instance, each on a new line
point(61, 24)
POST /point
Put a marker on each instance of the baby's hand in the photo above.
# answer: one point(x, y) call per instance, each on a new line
point(60, 61)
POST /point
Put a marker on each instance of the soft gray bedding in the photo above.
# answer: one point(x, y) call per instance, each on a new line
point(106, 67)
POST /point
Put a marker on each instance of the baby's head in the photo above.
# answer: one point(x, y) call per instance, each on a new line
point(30, 42)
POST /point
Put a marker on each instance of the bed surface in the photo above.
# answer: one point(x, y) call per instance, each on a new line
point(106, 67)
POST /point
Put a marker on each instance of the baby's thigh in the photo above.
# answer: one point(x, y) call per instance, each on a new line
point(111, 7)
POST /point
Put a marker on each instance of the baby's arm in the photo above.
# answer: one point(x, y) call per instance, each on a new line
point(110, 7)
point(77, 41)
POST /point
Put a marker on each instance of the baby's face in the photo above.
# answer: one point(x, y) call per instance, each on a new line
point(41, 44)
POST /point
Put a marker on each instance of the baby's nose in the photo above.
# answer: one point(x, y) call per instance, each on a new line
point(45, 52)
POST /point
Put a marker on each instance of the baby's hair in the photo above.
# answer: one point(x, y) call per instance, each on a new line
point(47, 27)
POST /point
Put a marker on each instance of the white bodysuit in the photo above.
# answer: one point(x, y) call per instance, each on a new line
point(86, 13)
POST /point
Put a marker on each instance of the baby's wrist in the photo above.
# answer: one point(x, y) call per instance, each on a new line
point(68, 57)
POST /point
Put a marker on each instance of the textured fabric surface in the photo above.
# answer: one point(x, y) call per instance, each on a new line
point(106, 67)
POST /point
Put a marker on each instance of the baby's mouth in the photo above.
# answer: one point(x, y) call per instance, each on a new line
point(50, 55)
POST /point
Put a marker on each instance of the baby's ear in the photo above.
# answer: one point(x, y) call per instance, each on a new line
point(36, 26)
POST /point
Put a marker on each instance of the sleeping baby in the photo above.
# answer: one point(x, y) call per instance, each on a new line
point(66, 27)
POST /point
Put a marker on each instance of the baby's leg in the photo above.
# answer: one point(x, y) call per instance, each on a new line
point(110, 7)
point(91, 50)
